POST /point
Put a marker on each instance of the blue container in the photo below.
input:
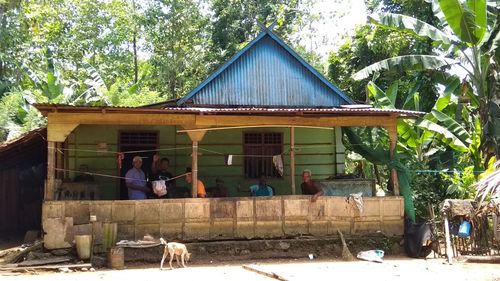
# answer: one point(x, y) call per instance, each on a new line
point(464, 229)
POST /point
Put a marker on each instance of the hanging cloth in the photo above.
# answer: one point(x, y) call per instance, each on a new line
point(228, 159)
point(119, 159)
point(278, 164)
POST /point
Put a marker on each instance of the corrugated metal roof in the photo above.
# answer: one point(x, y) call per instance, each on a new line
point(267, 72)
point(358, 110)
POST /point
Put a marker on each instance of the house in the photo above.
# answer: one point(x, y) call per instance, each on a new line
point(265, 101)
point(22, 173)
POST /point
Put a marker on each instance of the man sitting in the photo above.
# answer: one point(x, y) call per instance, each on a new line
point(260, 189)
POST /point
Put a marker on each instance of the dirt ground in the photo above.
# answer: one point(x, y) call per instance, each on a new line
point(393, 268)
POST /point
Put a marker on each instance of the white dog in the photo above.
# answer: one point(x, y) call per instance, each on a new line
point(174, 249)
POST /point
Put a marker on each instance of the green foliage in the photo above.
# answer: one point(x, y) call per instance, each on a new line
point(428, 188)
point(461, 183)
point(470, 49)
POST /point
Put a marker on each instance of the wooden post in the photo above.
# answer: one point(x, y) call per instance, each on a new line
point(194, 169)
point(393, 135)
point(292, 158)
point(195, 138)
point(449, 251)
point(51, 171)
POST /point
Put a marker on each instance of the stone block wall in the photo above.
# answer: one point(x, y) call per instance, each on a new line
point(225, 218)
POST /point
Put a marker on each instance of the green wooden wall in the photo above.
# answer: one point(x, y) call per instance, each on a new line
point(315, 150)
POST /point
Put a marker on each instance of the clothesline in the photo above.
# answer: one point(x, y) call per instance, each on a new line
point(112, 176)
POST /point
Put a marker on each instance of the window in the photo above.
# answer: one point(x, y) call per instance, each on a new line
point(259, 149)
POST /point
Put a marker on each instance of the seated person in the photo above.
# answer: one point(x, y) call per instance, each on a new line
point(83, 175)
point(159, 170)
point(201, 193)
point(260, 189)
point(308, 185)
point(219, 190)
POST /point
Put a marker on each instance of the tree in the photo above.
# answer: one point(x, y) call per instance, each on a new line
point(176, 33)
point(471, 42)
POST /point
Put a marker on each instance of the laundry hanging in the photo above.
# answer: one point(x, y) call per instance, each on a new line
point(278, 164)
point(228, 159)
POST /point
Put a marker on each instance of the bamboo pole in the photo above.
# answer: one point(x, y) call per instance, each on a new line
point(292, 158)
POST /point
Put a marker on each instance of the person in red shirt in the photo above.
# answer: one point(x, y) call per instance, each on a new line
point(309, 186)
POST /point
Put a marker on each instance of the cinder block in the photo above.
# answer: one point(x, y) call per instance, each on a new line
point(222, 229)
point(393, 227)
point(147, 212)
point(344, 226)
point(244, 209)
point(197, 230)
point(53, 210)
point(79, 210)
point(317, 210)
point(171, 231)
point(222, 208)
point(296, 208)
point(102, 210)
point(268, 229)
point(296, 227)
point(245, 229)
point(336, 207)
point(393, 207)
point(318, 228)
point(123, 211)
point(152, 229)
point(172, 211)
point(370, 208)
point(361, 227)
point(267, 209)
point(58, 233)
point(126, 232)
point(197, 211)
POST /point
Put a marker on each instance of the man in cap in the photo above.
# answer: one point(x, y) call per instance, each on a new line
point(136, 180)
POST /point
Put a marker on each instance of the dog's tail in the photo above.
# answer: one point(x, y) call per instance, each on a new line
point(163, 241)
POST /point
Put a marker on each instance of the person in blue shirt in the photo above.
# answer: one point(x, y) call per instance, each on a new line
point(260, 189)
point(136, 181)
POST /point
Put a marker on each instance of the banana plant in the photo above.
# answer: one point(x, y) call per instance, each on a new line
point(470, 40)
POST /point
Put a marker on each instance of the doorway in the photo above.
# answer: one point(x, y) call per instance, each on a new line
point(136, 143)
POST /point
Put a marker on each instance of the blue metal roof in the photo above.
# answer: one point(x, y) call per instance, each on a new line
point(267, 72)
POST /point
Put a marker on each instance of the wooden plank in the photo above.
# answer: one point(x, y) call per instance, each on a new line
point(121, 118)
point(393, 136)
point(83, 265)
point(262, 272)
point(222, 120)
point(51, 162)
point(43, 261)
point(194, 167)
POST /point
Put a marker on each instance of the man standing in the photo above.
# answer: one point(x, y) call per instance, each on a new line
point(160, 172)
point(136, 181)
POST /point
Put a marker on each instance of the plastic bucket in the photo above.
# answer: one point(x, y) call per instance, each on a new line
point(464, 229)
point(116, 258)
point(83, 244)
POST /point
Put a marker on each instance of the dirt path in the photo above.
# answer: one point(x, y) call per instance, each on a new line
point(392, 269)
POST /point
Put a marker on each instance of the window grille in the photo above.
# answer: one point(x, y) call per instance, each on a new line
point(259, 149)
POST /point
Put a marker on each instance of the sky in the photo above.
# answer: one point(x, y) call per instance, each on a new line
point(336, 20)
